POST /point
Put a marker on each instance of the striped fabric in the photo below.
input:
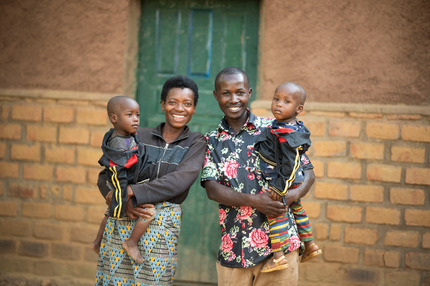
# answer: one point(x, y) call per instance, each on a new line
point(158, 247)
point(302, 221)
point(279, 232)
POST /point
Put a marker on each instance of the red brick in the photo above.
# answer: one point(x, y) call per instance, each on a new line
point(10, 131)
point(402, 278)
point(95, 214)
point(88, 195)
point(23, 191)
point(7, 247)
point(320, 231)
point(344, 213)
point(83, 270)
point(83, 234)
point(366, 193)
point(405, 196)
point(38, 172)
point(344, 170)
point(344, 128)
point(15, 264)
point(93, 175)
point(418, 176)
point(36, 210)
point(89, 156)
point(329, 148)
point(362, 276)
point(407, 154)
point(318, 168)
point(382, 130)
point(402, 238)
point(58, 114)
point(50, 268)
point(365, 115)
point(42, 133)
point(25, 152)
point(8, 208)
point(313, 209)
point(417, 217)
point(426, 240)
point(417, 133)
point(2, 150)
point(15, 228)
point(71, 174)
point(69, 212)
point(418, 260)
point(27, 112)
point(371, 151)
point(48, 231)
point(317, 128)
point(96, 138)
point(9, 170)
point(331, 191)
point(327, 114)
point(341, 254)
point(321, 273)
point(70, 135)
point(4, 112)
point(66, 251)
point(68, 193)
point(383, 215)
point(92, 116)
point(365, 236)
point(336, 231)
point(60, 154)
point(384, 173)
point(376, 257)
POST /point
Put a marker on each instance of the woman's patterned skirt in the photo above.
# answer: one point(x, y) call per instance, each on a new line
point(158, 247)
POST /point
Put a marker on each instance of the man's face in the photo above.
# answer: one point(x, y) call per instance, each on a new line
point(232, 93)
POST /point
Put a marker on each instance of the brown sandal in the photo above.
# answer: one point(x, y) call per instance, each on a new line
point(276, 265)
point(309, 253)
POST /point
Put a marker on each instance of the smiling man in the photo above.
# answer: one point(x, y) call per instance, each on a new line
point(232, 178)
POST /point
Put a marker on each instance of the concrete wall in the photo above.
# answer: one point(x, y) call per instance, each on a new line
point(62, 60)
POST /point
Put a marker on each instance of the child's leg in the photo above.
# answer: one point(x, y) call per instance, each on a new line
point(130, 245)
point(279, 240)
point(95, 245)
point(305, 231)
point(302, 222)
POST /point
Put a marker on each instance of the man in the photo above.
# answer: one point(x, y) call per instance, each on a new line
point(231, 178)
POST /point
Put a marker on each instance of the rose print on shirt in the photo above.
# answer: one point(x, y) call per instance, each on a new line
point(294, 243)
point(230, 169)
point(258, 238)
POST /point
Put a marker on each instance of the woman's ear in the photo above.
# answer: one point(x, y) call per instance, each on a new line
point(163, 103)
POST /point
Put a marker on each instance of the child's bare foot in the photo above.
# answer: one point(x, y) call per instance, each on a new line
point(95, 246)
point(133, 251)
point(311, 250)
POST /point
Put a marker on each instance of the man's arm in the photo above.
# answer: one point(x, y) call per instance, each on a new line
point(227, 196)
point(299, 192)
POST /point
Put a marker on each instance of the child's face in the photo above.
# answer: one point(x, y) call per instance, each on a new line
point(127, 120)
point(233, 94)
point(285, 105)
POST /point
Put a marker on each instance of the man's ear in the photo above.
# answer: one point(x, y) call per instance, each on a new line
point(163, 103)
point(250, 92)
point(214, 93)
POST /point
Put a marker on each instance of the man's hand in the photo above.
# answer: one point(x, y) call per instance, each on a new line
point(265, 204)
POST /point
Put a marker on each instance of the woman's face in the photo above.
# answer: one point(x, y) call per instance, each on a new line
point(179, 107)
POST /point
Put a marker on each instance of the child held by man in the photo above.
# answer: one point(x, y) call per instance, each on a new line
point(280, 149)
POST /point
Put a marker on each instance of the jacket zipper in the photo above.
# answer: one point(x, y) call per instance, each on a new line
point(159, 161)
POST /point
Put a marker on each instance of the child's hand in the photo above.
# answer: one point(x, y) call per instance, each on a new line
point(275, 196)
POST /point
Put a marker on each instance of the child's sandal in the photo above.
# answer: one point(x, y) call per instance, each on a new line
point(309, 253)
point(276, 265)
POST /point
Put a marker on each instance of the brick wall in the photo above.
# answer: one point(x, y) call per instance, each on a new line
point(50, 207)
point(369, 207)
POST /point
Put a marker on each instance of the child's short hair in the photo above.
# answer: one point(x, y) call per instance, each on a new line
point(180, 81)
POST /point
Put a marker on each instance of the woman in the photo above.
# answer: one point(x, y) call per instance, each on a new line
point(175, 156)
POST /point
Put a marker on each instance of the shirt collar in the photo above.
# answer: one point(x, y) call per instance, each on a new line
point(250, 123)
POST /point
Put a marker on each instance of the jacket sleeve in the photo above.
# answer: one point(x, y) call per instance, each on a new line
point(177, 182)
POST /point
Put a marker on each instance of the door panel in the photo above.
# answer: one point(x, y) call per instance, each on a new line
point(196, 38)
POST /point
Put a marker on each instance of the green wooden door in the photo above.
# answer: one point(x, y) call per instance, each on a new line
point(196, 38)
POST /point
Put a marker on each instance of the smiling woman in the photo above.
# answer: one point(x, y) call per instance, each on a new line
point(175, 156)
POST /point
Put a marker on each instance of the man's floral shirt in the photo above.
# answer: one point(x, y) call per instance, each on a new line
point(231, 161)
